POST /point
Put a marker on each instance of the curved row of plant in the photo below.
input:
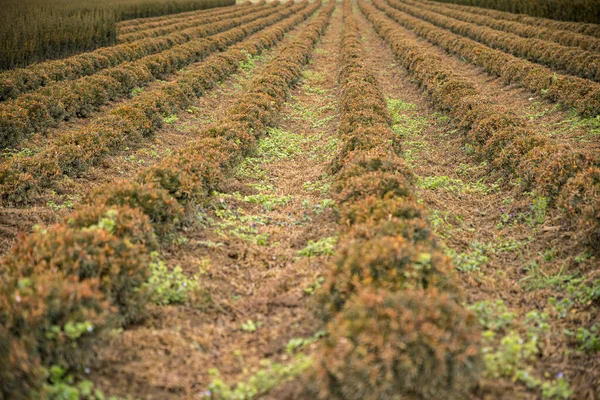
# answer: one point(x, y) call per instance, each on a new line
point(180, 26)
point(73, 152)
point(135, 22)
point(566, 38)
point(568, 177)
point(148, 23)
point(63, 287)
point(585, 64)
point(577, 27)
point(396, 326)
point(47, 107)
point(21, 80)
point(581, 94)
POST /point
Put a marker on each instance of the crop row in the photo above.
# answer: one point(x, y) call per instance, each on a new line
point(140, 22)
point(62, 288)
point(73, 152)
point(585, 64)
point(396, 325)
point(567, 176)
point(18, 81)
point(565, 10)
point(147, 23)
point(577, 27)
point(581, 94)
point(37, 111)
point(232, 12)
point(566, 38)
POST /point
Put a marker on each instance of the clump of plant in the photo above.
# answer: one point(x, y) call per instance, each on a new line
point(46, 319)
point(390, 262)
point(163, 210)
point(385, 344)
point(95, 252)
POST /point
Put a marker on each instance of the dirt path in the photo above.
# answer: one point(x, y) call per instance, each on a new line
point(258, 251)
point(511, 252)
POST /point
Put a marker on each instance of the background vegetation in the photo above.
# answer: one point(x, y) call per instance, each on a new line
point(565, 10)
point(36, 30)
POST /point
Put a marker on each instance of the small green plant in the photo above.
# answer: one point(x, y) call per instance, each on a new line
point(67, 204)
point(318, 186)
point(169, 286)
point(170, 119)
point(136, 91)
point(250, 326)
point(315, 90)
point(269, 376)
point(250, 62)
point(297, 344)
point(512, 358)
point(63, 386)
point(268, 201)
point(538, 210)
point(588, 339)
point(279, 144)
point(311, 289)
point(494, 316)
point(322, 247)
point(473, 260)
point(561, 307)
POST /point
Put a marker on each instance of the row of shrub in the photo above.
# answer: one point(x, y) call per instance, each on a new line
point(573, 92)
point(569, 177)
point(63, 287)
point(73, 152)
point(566, 38)
point(230, 12)
point(583, 63)
point(138, 25)
point(37, 111)
point(577, 27)
point(565, 10)
point(18, 81)
point(37, 30)
point(396, 326)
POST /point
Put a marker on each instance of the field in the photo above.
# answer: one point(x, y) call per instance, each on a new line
point(354, 199)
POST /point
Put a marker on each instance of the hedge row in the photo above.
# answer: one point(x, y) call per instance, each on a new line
point(566, 10)
point(73, 152)
point(61, 287)
point(567, 176)
point(577, 27)
point(180, 26)
point(148, 23)
point(37, 111)
point(17, 81)
point(585, 64)
point(566, 38)
point(581, 94)
point(396, 326)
